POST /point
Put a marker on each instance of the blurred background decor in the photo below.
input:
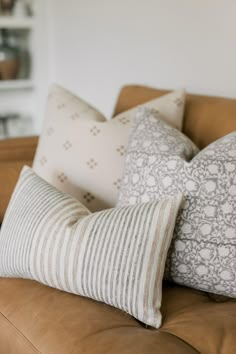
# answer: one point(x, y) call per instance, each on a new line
point(14, 124)
point(6, 6)
point(9, 57)
point(29, 7)
point(23, 66)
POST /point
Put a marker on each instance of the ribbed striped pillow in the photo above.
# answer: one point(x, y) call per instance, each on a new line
point(116, 256)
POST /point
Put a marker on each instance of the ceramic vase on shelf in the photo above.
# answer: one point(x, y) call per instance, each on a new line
point(22, 9)
point(9, 58)
point(29, 7)
point(6, 7)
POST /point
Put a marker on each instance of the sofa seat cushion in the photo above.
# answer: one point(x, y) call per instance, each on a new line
point(37, 319)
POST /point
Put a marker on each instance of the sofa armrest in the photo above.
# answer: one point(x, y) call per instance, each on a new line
point(14, 154)
point(18, 149)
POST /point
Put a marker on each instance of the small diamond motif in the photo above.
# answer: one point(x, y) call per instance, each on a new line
point(67, 145)
point(75, 116)
point(50, 96)
point(92, 164)
point(124, 120)
point(62, 177)
point(43, 160)
point(88, 197)
point(178, 102)
point(50, 131)
point(121, 150)
point(95, 130)
point(117, 183)
point(61, 106)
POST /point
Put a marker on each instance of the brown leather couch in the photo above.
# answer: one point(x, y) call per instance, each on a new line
point(37, 319)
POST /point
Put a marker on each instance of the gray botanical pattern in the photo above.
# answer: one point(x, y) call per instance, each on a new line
point(160, 161)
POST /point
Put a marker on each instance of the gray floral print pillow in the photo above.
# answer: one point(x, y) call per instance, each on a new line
point(161, 161)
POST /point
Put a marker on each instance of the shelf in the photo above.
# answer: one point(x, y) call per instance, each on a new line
point(16, 22)
point(16, 85)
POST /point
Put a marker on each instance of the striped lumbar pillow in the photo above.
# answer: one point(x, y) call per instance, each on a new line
point(116, 256)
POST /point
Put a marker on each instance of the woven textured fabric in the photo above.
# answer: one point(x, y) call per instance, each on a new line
point(203, 251)
point(115, 256)
point(82, 154)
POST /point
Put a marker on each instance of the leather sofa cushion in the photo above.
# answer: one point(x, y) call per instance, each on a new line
point(206, 118)
point(38, 319)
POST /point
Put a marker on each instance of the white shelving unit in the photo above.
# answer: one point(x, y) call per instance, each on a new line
point(23, 29)
point(12, 22)
point(16, 85)
point(26, 94)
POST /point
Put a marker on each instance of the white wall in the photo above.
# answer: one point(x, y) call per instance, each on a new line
point(96, 46)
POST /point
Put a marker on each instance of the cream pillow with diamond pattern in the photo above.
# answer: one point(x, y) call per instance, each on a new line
point(81, 153)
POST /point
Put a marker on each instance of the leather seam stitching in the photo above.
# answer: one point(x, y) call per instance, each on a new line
point(182, 340)
point(26, 340)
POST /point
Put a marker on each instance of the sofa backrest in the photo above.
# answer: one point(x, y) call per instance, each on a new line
point(206, 118)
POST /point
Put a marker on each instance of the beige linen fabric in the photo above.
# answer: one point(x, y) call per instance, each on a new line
point(115, 256)
point(81, 153)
